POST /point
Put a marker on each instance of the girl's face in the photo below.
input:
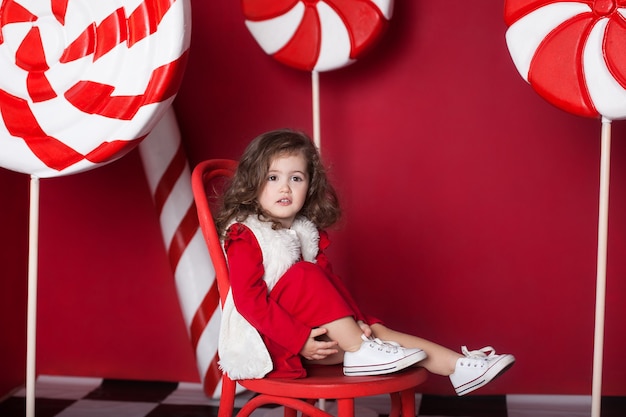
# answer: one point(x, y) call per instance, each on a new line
point(285, 188)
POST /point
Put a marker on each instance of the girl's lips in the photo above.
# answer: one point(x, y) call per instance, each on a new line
point(284, 201)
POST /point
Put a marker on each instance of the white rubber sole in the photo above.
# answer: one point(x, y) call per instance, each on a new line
point(494, 371)
point(385, 368)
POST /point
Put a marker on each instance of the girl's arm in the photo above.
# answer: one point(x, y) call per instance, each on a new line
point(250, 292)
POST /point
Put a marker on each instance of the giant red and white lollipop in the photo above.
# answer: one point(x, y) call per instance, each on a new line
point(316, 35)
point(572, 54)
point(83, 82)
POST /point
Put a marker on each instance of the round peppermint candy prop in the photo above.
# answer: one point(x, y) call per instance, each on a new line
point(316, 35)
point(572, 55)
point(83, 82)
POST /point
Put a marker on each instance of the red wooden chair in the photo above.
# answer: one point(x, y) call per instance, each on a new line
point(322, 382)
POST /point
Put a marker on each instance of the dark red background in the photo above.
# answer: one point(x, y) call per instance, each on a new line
point(471, 208)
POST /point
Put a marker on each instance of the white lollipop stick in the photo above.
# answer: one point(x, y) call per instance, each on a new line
point(603, 221)
point(315, 81)
point(31, 325)
point(317, 140)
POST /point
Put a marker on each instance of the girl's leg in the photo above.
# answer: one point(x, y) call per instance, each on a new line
point(467, 372)
point(346, 332)
point(307, 294)
point(440, 360)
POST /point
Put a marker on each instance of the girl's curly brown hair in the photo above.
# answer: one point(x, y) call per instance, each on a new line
point(240, 197)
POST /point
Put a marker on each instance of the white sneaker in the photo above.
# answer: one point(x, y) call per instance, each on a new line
point(477, 369)
point(376, 357)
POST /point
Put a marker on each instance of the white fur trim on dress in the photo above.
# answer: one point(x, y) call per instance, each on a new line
point(243, 355)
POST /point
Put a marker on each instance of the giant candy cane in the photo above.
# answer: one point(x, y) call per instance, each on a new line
point(169, 179)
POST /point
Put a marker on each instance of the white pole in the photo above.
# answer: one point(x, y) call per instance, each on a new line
point(603, 217)
point(31, 321)
point(315, 83)
point(315, 86)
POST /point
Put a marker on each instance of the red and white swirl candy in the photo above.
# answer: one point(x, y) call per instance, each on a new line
point(316, 35)
point(571, 52)
point(84, 81)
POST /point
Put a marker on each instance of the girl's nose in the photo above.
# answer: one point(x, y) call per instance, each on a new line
point(284, 186)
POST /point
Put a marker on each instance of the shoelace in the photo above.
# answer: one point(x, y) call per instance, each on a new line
point(477, 358)
point(478, 354)
point(389, 346)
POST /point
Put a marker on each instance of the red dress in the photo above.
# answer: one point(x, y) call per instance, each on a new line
point(306, 296)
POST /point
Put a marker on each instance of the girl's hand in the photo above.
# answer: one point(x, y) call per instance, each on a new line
point(367, 330)
point(318, 349)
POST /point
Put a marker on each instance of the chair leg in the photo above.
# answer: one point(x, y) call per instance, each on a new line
point(396, 404)
point(227, 399)
point(403, 403)
point(290, 404)
point(345, 407)
point(290, 412)
point(312, 402)
point(408, 402)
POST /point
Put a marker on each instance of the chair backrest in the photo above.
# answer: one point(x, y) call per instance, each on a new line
point(208, 180)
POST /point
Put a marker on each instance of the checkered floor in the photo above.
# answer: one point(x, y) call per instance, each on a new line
point(92, 397)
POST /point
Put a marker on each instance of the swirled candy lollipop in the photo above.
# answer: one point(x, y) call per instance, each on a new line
point(84, 81)
point(572, 53)
point(316, 35)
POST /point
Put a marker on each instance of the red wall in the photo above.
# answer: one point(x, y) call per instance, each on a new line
point(471, 208)
point(13, 272)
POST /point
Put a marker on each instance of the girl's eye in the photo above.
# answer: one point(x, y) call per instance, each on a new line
point(296, 179)
point(272, 178)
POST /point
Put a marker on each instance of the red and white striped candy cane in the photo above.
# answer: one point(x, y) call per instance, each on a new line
point(169, 179)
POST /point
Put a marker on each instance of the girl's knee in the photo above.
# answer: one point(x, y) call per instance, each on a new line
point(304, 269)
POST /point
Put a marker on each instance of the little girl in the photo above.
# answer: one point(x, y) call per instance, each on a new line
point(285, 305)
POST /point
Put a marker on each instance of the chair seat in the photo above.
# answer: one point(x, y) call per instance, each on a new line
point(330, 382)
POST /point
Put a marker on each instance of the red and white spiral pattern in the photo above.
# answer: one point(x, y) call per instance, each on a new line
point(316, 35)
point(169, 179)
point(571, 52)
point(84, 81)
